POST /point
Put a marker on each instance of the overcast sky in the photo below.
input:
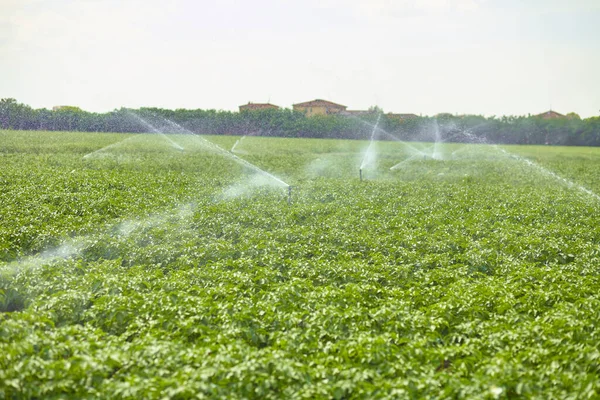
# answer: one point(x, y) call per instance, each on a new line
point(491, 57)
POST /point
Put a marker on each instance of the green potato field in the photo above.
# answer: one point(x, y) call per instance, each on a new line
point(148, 266)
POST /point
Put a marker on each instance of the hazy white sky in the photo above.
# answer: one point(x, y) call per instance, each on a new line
point(491, 57)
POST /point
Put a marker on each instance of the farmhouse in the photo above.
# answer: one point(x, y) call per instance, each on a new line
point(550, 115)
point(258, 106)
point(319, 107)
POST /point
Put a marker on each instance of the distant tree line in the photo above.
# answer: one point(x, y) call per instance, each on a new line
point(570, 130)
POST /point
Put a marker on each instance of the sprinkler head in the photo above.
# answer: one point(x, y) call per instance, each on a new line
point(360, 173)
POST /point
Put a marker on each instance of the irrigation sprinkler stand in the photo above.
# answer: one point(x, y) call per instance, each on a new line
point(289, 194)
point(360, 173)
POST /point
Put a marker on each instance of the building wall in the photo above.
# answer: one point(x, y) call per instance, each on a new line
point(318, 110)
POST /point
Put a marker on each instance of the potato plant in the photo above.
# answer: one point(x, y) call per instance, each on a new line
point(137, 272)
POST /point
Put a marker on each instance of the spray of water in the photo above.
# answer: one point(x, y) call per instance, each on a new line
point(549, 173)
point(318, 166)
point(468, 134)
point(96, 152)
point(66, 250)
point(218, 149)
point(536, 166)
point(370, 154)
point(437, 154)
point(413, 157)
point(73, 247)
point(248, 186)
point(385, 133)
point(436, 151)
point(236, 144)
point(154, 130)
point(433, 133)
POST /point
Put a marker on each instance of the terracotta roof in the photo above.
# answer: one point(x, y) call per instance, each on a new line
point(550, 114)
point(318, 102)
point(258, 106)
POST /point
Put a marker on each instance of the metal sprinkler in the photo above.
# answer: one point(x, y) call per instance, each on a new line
point(360, 174)
point(289, 194)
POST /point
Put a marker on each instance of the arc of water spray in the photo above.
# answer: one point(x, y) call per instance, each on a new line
point(421, 153)
point(567, 182)
point(438, 141)
point(154, 130)
point(237, 159)
point(383, 131)
point(396, 166)
point(468, 133)
point(75, 246)
point(109, 146)
point(532, 164)
point(368, 151)
point(226, 153)
point(465, 132)
point(417, 153)
point(435, 154)
point(236, 143)
point(64, 251)
point(413, 149)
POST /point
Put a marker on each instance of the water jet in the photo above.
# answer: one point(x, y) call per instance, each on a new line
point(229, 154)
point(369, 153)
point(236, 144)
point(154, 130)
